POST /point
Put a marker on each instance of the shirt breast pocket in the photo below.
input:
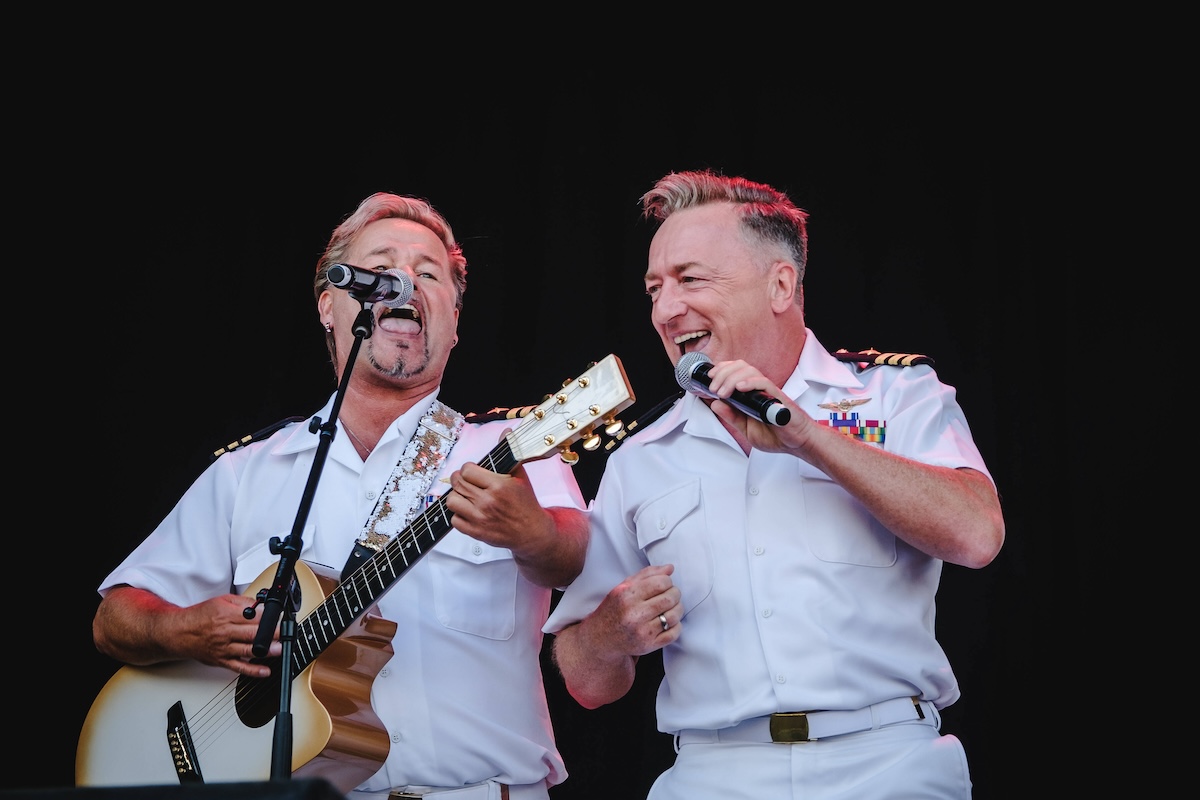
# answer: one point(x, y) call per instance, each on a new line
point(474, 586)
point(671, 529)
point(840, 530)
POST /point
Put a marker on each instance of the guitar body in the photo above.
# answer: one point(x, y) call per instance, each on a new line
point(335, 732)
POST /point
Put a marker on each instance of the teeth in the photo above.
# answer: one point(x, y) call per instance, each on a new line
point(689, 336)
point(408, 311)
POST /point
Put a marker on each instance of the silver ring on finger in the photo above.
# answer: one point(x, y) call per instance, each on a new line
point(663, 619)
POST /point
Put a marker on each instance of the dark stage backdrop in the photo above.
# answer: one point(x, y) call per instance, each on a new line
point(187, 225)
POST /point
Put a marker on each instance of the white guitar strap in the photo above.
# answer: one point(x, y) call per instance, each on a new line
point(403, 496)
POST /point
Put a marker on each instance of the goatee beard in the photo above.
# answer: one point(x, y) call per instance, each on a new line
point(402, 367)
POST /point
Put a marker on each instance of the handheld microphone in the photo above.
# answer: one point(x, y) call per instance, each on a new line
point(692, 374)
point(393, 287)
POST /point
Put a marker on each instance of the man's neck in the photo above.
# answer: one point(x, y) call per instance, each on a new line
point(368, 410)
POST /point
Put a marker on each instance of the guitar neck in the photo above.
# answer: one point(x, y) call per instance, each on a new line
point(563, 418)
point(346, 604)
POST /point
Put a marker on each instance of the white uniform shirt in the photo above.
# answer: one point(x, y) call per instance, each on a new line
point(462, 698)
point(795, 597)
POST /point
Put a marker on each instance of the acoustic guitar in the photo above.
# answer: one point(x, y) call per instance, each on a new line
point(186, 722)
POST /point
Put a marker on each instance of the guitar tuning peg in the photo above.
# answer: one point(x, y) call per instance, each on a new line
point(568, 456)
point(613, 426)
point(591, 442)
point(584, 380)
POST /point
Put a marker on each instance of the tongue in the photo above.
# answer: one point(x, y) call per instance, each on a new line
point(399, 325)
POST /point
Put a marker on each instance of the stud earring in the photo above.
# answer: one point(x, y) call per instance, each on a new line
point(328, 328)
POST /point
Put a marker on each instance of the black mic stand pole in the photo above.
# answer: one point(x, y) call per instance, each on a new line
point(283, 598)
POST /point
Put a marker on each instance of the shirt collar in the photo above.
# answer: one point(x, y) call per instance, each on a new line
point(816, 366)
point(300, 438)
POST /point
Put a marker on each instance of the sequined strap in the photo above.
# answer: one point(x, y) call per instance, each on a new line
point(403, 496)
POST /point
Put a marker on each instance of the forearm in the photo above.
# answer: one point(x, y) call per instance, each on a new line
point(593, 675)
point(128, 626)
point(951, 514)
point(554, 558)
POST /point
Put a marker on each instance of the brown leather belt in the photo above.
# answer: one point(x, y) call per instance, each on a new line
point(435, 793)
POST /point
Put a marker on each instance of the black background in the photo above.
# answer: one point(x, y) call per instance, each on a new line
point(185, 209)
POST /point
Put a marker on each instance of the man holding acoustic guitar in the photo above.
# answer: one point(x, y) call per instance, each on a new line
point(423, 687)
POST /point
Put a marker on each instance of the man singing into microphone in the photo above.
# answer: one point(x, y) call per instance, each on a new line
point(439, 692)
point(787, 571)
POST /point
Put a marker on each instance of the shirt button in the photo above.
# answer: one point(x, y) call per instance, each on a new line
point(766, 613)
point(758, 551)
point(753, 490)
point(780, 679)
point(383, 673)
point(476, 549)
point(370, 495)
point(395, 737)
point(662, 523)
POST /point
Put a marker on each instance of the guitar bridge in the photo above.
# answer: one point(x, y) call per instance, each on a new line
point(183, 749)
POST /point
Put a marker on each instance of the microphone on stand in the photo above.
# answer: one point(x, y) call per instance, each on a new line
point(692, 374)
point(393, 287)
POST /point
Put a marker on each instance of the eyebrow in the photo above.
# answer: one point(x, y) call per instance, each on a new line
point(389, 250)
point(678, 269)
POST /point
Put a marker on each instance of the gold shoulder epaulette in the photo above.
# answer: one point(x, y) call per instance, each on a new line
point(645, 419)
point(499, 413)
point(253, 437)
point(872, 357)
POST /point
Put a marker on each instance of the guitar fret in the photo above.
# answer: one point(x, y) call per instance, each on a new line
point(358, 601)
point(410, 543)
point(304, 639)
point(322, 630)
point(395, 548)
point(298, 661)
point(379, 578)
point(343, 623)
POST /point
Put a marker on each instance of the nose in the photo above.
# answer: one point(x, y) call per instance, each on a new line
point(667, 305)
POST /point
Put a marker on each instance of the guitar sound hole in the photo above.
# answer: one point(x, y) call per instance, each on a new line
point(257, 699)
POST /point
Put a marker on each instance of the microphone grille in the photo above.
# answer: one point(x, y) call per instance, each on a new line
point(404, 288)
point(684, 369)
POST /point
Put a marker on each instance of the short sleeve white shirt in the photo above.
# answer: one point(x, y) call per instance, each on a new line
point(462, 698)
point(795, 598)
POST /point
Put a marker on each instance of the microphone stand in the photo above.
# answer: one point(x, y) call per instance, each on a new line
point(283, 597)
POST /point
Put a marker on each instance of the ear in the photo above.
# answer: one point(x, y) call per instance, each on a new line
point(325, 308)
point(783, 286)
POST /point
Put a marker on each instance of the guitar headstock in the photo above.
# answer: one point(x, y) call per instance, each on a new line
point(574, 412)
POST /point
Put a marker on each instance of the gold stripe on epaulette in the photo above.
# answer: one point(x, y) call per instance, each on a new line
point(254, 437)
point(874, 357)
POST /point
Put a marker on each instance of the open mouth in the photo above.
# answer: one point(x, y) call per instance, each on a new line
point(405, 319)
point(683, 339)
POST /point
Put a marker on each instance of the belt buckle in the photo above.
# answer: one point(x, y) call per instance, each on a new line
point(789, 726)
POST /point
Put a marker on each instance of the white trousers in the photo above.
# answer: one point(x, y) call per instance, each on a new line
point(908, 761)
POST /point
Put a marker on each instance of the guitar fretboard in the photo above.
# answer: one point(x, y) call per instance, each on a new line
point(363, 588)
